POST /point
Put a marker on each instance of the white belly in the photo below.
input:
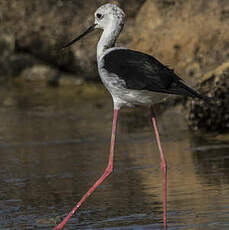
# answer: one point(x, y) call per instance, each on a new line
point(131, 98)
point(128, 97)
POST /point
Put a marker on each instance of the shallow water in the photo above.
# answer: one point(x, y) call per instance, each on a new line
point(54, 144)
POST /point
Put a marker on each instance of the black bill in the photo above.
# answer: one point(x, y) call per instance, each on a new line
point(90, 29)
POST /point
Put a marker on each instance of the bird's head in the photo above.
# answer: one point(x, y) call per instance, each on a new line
point(106, 16)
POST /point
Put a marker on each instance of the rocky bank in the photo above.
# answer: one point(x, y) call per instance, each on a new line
point(33, 32)
point(191, 37)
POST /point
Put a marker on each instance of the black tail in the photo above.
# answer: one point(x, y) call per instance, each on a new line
point(188, 91)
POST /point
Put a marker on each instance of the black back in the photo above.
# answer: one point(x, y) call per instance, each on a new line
point(141, 71)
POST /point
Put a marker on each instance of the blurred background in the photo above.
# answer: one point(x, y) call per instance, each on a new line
point(55, 118)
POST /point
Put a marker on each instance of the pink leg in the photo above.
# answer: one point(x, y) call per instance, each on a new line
point(107, 172)
point(163, 168)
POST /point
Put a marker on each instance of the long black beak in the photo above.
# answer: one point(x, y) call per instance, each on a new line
point(90, 29)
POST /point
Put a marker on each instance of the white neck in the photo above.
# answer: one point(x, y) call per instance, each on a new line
point(108, 39)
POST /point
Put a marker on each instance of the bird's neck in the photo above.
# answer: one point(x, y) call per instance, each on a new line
point(108, 39)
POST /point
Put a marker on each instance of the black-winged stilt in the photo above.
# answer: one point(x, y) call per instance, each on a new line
point(132, 78)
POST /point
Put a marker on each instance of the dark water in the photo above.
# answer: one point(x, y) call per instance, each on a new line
point(54, 144)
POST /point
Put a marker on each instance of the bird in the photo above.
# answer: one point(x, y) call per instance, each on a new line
point(133, 79)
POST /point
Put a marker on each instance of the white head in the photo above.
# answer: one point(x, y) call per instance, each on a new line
point(108, 15)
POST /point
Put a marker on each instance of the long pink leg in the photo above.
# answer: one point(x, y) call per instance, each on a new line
point(163, 168)
point(107, 172)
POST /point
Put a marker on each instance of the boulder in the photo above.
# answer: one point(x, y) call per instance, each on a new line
point(38, 73)
point(47, 76)
point(192, 38)
point(40, 28)
point(189, 36)
point(215, 114)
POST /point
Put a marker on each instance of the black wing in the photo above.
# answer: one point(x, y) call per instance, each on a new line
point(143, 72)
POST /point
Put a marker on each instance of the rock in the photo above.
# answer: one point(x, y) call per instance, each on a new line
point(215, 115)
point(38, 73)
point(46, 75)
point(9, 101)
point(190, 36)
point(41, 28)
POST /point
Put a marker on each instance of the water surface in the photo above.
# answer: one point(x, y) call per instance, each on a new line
point(54, 144)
